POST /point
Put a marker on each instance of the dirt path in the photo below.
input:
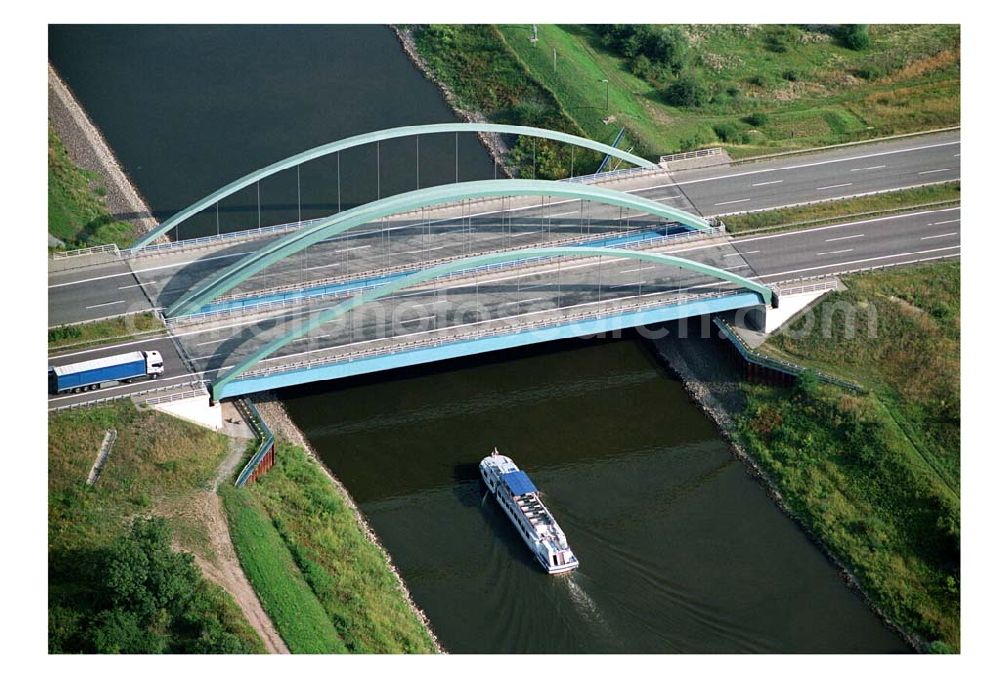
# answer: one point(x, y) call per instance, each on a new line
point(226, 570)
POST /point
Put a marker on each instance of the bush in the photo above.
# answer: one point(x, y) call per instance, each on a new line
point(756, 119)
point(727, 133)
point(856, 36)
point(869, 72)
point(757, 80)
point(790, 75)
point(665, 46)
point(686, 92)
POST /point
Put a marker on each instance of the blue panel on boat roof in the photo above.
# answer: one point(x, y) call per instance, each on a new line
point(519, 483)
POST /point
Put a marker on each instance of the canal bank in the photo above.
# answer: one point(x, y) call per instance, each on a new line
point(702, 363)
point(89, 150)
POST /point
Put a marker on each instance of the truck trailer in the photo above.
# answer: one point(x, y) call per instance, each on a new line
point(90, 375)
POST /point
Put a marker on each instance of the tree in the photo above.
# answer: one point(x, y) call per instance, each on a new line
point(687, 91)
point(145, 576)
point(120, 631)
point(856, 36)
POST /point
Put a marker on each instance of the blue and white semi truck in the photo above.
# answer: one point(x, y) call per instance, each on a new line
point(90, 375)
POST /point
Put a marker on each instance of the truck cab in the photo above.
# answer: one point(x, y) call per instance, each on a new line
point(154, 363)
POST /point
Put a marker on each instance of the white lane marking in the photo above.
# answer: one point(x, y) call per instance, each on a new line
point(325, 265)
point(636, 270)
point(742, 265)
point(205, 343)
point(957, 154)
point(432, 303)
point(845, 237)
point(431, 249)
point(514, 303)
point(851, 263)
point(726, 256)
point(672, 197)
point(623, 284)
point(934, 237)
point(865, 169)
point(766, 183)
point(839, 251)
point(731, 202)
point(533, 232)
point(552, 216)
point(935, 171)
point(941, 223)
point(101, 305)
point(147, 270)
point(130, 286)
point(838, 185)
point(351, 249)
point(419, 319)
point(755, 251)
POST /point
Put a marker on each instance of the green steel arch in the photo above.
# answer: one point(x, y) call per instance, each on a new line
point(294, 242)
point(372, 137)
point(472, 262)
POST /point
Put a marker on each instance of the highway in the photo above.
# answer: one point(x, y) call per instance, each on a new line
point(111, 289)
point(772, 258)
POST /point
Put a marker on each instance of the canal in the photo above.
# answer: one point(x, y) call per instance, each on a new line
point(681, 550)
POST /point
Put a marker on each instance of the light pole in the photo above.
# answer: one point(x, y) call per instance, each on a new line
point(607, 96)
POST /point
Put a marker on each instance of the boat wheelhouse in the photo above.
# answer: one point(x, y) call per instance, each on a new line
point(518, 496)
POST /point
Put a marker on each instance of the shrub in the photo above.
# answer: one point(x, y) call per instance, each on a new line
point(727, 133)
point(856, 36)
point(790, 75)
point(869, 72)
point(756, 119)
point(686, 92)
point(757, 80)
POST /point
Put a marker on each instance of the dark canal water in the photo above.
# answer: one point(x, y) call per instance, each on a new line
point(680, 549)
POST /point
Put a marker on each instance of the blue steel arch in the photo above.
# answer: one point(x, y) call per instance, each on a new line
point(294, 242)
point(342, 308)
point(372, 137)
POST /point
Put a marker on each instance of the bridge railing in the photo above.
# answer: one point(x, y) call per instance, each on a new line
point(690, 155)
point(652, 301)
point(777, 364)
point(377, 276)
point(263, 458)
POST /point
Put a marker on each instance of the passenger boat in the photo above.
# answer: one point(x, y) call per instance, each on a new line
point(518, 497)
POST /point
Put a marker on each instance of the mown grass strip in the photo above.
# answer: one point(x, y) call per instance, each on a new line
point(868, 206)
point(104, 331)
point(283, 592)
point(346, 571)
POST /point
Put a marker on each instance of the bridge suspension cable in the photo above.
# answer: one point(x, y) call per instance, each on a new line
point(294, 242)
point(382, 135)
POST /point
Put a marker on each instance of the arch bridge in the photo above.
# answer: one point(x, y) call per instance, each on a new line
point(263, 349)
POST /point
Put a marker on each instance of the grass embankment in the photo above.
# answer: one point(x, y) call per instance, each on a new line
point(104, 331)
point(754, 89)
point(486, 77)
point(159, 466)
point(870, 206)
point(325, 585)
point(876, 477)
point(77, 212)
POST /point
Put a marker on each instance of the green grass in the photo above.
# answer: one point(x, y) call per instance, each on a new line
point(877, 476)
point(159, 465)
point(283, 592)
point(916, 86)
point(310, 530)
point(77, 212)
point(840, 210)
point(103, 331)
